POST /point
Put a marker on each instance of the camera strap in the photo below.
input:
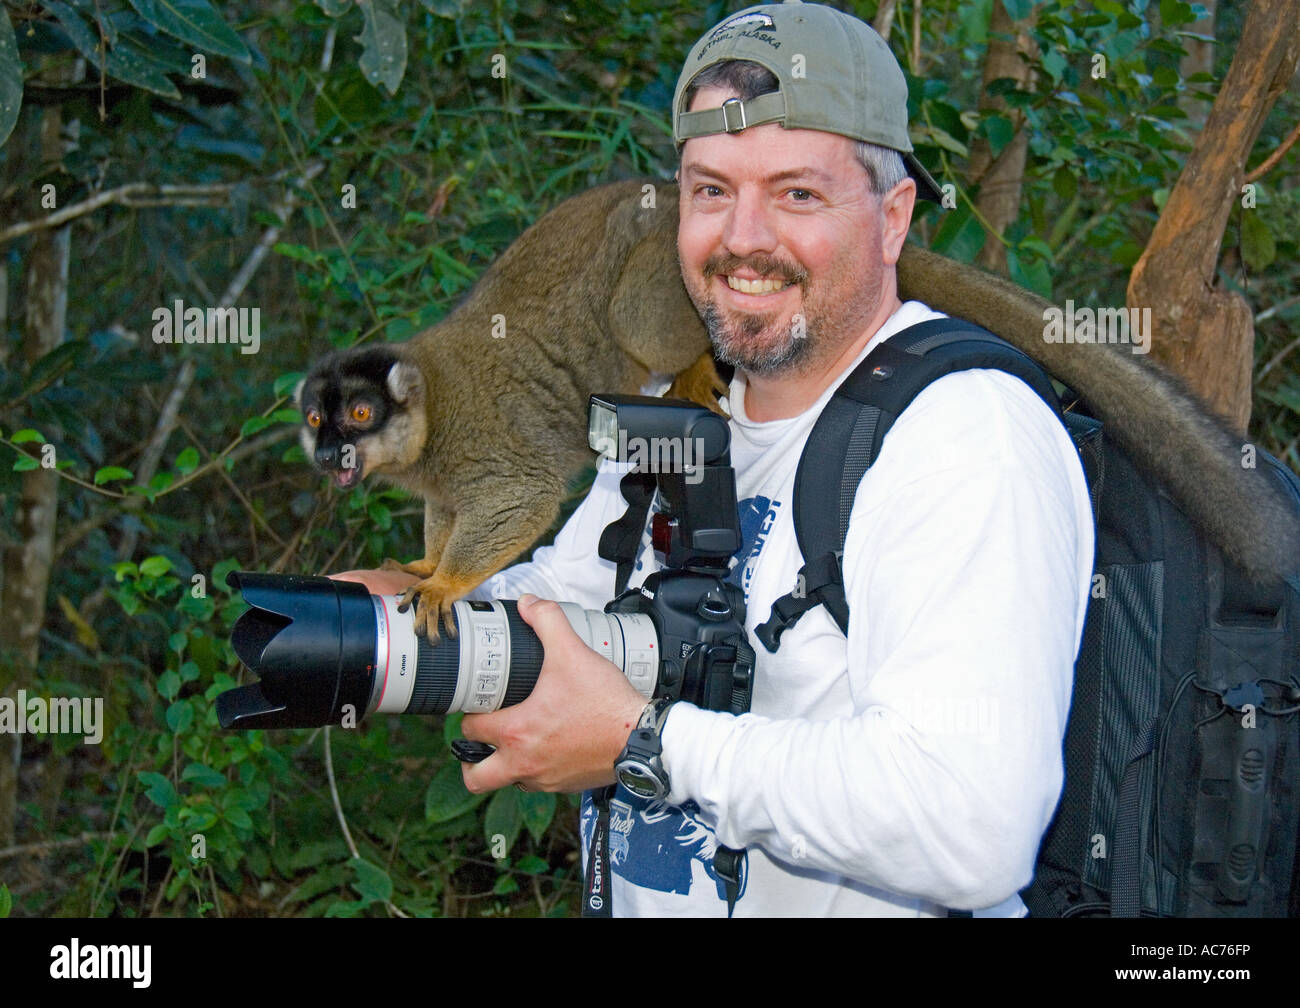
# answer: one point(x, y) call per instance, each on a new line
point(596, 897)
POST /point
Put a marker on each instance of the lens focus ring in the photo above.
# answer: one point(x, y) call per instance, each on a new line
point(437, 670)
point(526, 654)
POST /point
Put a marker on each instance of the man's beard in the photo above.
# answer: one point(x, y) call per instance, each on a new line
point(736, 345)
point(737, 342)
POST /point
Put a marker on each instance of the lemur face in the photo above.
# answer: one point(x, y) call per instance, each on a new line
point(360, 410)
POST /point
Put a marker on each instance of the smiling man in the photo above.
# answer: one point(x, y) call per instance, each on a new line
point(911, 766)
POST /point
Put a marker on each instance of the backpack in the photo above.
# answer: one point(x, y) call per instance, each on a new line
point(1182, 749)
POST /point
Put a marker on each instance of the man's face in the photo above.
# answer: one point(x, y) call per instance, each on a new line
point(780, 244)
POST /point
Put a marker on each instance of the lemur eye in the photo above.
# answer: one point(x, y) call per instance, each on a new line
point(361, 412)
point(313, 418)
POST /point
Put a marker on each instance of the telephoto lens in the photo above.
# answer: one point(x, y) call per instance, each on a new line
point(329, 652)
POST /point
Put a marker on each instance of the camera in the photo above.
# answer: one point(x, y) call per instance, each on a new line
point(329, 652)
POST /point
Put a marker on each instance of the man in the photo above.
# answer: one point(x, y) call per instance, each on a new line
point(914, 766)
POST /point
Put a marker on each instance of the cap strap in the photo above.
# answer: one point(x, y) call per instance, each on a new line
point(733, 116)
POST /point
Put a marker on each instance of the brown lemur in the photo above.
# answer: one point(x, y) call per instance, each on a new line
point(484, 414)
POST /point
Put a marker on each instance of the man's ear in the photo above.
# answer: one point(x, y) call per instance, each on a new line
point(896, 217)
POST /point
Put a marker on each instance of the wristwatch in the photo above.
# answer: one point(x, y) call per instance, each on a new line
point(640, 766)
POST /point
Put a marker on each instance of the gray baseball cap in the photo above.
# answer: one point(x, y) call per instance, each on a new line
point(836, 75)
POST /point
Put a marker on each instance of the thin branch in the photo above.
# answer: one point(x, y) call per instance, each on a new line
point(248, 506)
point(338, 811)
point(1278, 357)
point(128, 195)
point(916, 37)
point(232, 453)
point(1272, 310)
point(1275, 157)
point(64, 474)
point(48, 845)
point(334, 797)
point(152, 453)
point(884, 18)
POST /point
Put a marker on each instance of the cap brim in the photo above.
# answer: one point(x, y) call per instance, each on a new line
point(926, 187)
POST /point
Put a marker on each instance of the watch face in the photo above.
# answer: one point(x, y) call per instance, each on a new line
point(640, 781)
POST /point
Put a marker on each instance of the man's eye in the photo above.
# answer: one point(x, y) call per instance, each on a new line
point(710, 191)
point(800, 195)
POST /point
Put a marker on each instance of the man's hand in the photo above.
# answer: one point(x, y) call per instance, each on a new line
point(379, 582)
point(568, 733)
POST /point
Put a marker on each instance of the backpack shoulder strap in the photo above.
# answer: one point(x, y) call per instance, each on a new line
point(846, 439)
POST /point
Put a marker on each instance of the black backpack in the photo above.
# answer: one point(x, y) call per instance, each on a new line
point(1182, 750)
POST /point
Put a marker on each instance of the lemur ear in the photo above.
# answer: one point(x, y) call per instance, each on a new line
point(405, 384)
point(297, 391)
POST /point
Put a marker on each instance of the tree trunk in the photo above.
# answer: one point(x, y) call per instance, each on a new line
point(1001, 178)
point(1204, 333)
point(884, 18)
point(28, 560)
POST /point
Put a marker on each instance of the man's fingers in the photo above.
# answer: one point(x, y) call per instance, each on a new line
point(378, 582)
point(499, 769)
point(547, 620)
point(493, 773)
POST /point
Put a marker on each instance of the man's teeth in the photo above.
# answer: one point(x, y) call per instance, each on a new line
point(754, 286)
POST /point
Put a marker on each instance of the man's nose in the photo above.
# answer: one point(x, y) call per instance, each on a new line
point(750, 227)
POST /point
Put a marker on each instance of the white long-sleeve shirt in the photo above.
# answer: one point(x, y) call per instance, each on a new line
point(915, 766)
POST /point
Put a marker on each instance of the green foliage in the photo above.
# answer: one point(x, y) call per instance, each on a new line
point(11, 78)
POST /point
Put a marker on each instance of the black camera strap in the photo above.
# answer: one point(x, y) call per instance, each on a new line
point(598, 885)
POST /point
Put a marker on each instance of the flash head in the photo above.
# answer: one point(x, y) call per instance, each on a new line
point(613, 421)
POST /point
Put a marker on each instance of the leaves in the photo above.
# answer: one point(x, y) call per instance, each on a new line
point(194, 21)
point(383, 59)
point(1000, 132)
point(155, 566)
point(109, 474)
point(129, 62)
point(204, 776)
point(538, 811)
point(1258, 247)
point(158, 789)
point(373, 882)
point(503, 819)
point(180, 716)
point(446, 797)
point(11, 78)
point(81, 35)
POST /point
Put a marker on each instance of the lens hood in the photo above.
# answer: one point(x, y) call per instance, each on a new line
point(310, 641)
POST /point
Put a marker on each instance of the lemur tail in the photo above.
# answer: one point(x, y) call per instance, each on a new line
point(1170, 436)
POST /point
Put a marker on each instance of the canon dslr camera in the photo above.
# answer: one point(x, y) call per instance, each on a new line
point(329, 652)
